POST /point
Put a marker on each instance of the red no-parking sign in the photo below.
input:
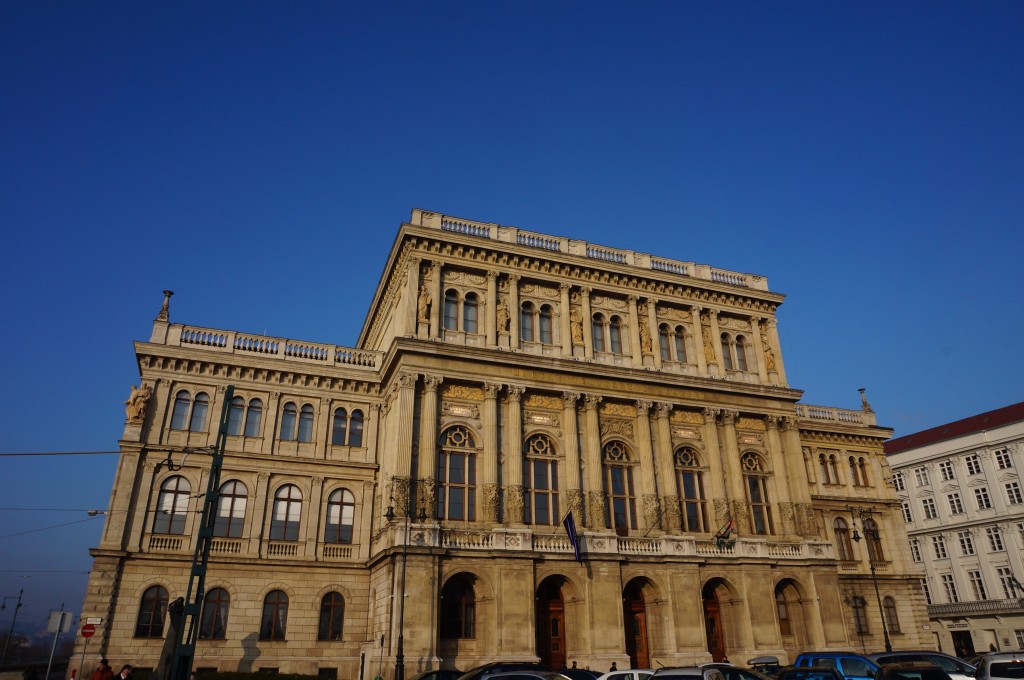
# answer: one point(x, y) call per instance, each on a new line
point(88, 630)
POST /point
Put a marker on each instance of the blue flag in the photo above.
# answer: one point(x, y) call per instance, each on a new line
point(570, 531)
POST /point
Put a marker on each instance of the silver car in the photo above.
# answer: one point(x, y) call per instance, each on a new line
point(1001, 666)
point(956, 668)
point(688, 673)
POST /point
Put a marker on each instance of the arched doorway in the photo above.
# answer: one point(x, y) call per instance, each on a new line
point(713, 628)
point(550, 613)
point(634, 618)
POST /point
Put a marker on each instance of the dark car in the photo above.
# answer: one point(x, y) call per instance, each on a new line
point(439, 674)
point(911, 670)
point(809, 673)
point(851, 666)
point(489, 669)
point(733, 673)
point(766, 665)
point(957, 669)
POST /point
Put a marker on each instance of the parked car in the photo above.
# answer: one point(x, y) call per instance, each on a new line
point(766, 665)
point(437, 675)
point(628, 674)
point(910, 670)
point(735, 673)
point(528, 674)
point(809, 673)
point(489, 669)
point(1001, 666)
point(851, 666)
point(579, 673)
point(688, 673)
point(957, 668)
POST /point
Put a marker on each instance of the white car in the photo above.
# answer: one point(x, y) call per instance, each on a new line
point(628, 674)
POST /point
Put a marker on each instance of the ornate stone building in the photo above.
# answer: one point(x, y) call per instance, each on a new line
point(501, 380)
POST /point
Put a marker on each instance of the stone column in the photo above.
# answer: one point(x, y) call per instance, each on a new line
point(489, 465)
point(635, 349)
point(734, 475)
point(435, 274)
point(425, 472)
point(564, 329)
point(270, 427)
point(514, 491)
point(670, 513)
point(588, 323)
point(573, 489)
point(401, 423)
point(789, 439)
point(786, 477)
point(759, 351)
point(514, 313)
point(213, 415)
point(648, 484)
point(259, 529)
point(321, 441)
point(592, 464)
point(312, 514)
point(718, 476)
point(771, 332)
point(652, 325)
point(491, 309)
point(411, 301)
point(700, 346)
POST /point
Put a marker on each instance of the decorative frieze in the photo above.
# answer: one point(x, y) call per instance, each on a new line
point(614, 409)
point(463, 392)
point(544, 401)
point(621, 428)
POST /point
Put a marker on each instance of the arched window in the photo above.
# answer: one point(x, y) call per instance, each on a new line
point(236, 414)
point(340, 427)
point(306, 423)
point(598, 330)
point(860, 615)
point(892, 619)
point(275, 616)
point(855, 473)
point(172, 506)
point(833, 469)
point(197, 423)
point(863, 472)
point(540, 477)
point(458, 610)
point(526, 322)
point(690, 486)
point(332, 616)
point(741, 353)
point(620, 499)
point(288, 417)
point(726, 353)
point(469, 313)
point(341, 508)
point(823, 464)
point(284, 524)
point(785, 626)
point(253, 417)
point(680, 342)
point(152, 610)
point(874, 541)
point(456, 475)
point(844, 549)
point(664, 342)
point(355, 436)
point(179, 417)
point(545, 324)
point(230, 510)
point(755, 480)
point(214, 623)
point(615, 334)
point(451, 310)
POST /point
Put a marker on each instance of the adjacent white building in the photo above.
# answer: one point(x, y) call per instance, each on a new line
point(962, 499)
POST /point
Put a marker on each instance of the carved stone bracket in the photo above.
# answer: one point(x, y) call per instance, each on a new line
point(671, 519)
point(514, 496)
point(574, 498)
point(652, 511)
point(596, 518)
point(489, 507)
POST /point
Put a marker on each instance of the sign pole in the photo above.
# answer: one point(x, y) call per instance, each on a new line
point(56, 634)
point(82, 660)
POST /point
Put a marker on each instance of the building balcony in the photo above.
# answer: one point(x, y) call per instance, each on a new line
point(978, 608)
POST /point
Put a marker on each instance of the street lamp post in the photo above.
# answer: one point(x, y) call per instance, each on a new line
point(10, 633)
point(871, 534)
point(400, 650)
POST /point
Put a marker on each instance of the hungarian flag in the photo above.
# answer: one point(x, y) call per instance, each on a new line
point(570, 531)
point(725, 531)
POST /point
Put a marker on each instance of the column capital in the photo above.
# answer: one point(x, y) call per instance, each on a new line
point(644, 406)
point(592, 400)
point(407, 379)
point(728, 417)
point(431, 382)
point(786, 423)
point(663, 409)
point(491, 390)
point(586, 290)
point(569, 399)
point(632, 298)
point(710, 415)
point(515, 392)
point(492, 274)
point(563, 286)
point(514, 278)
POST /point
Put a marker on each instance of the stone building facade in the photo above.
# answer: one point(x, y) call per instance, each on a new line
point(960, 492)
point(411, 489)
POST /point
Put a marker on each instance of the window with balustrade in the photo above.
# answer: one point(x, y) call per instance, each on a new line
point(540, 481)
point(841, 530)
point(214, 620)
point(456, 475)
point(735, 352)
point(672, 342)
point(341, 510)
point(287, 514)
point(172, 506)
point(231, 504)
point(347, 428)
point(458, 610)
point(189, 413)
point(332, 617)
point(690, 487)
point(1006, 581)
point(274, 621)
point(755, 483)
point(152, 611)
point(620, 495)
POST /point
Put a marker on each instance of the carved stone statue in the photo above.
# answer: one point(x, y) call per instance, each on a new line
point(769, 354)
point(709, 346)
point(135, 409)
point(645, 336)
point(423, 305)
point(576, 326)
point(503, 316)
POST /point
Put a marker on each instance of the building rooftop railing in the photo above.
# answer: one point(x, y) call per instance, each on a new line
point(593, 251)
point(839, 416)
point(990, 607)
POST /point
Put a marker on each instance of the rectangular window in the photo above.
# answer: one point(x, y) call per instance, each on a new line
point(1003, 460)
point(897, 481)
point(946, 470)
point(1020, 638)
point(1005, 576)
point(950, 586)
point(929, 508)
point(921, 475)
point(981, 495)
point(966, 543)
point(995, 539)
point(973, 464)
point(977, 585)
point(927, 591)
point(956, 506)
point(907, 516)
point(1013, 493)
point(939, 546)
point(915, 550)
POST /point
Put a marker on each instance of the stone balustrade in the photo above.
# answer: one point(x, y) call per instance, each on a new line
point(977, 608)
point(839, 416)
point(232, 342)
point(593, 251)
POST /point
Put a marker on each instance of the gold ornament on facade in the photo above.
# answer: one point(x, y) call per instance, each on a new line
point(545, 401)
point(622, 428)
point(746, 423)
point(463, 392)
point(691, 417)
point(614, 409)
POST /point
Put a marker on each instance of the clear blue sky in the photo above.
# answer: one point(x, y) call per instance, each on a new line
point(257, 159)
